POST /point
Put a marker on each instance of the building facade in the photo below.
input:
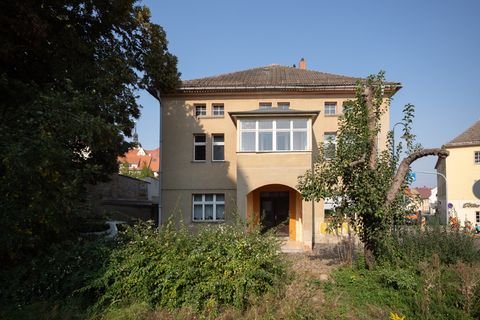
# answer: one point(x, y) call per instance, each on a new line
point(235, 145)
point(461, 170)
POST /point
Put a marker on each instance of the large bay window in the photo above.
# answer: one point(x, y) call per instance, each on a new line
point(274, 135)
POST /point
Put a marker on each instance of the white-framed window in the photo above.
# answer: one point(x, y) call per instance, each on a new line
point(477, 216)
point(218, 147)
point(283, 105)
point(208, 207)
point(477, 157)
point(330, 108)
point(265, 105)
point(200, 110)
point(274, 135)
point(329, 145)
point(218, 110)
point(199, 147)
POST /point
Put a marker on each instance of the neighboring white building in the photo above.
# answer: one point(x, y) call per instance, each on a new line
point(462, 170)
point(433, 200)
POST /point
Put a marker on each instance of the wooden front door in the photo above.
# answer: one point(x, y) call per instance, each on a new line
point(274, 210)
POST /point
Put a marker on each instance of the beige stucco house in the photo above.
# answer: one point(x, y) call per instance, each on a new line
point(461, 170)
point(236, 143)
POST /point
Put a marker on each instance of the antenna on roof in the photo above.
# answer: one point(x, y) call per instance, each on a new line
point(135, 135)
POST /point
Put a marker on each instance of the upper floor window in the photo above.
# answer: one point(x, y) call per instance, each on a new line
point(330, 108)
point(218, 110)
point(274, 135)
point(265, 105)
point(208, 207)
point(200, 110)
point(199, 147)
point(477, 216)
point(218, 147)
point(477, 157)
point(283, 105)
point(329, 145)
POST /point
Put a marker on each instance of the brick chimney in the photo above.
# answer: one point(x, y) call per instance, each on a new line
point(302, 64)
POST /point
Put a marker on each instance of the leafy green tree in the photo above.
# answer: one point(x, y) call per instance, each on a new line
point(69, 75)
point(365, 184)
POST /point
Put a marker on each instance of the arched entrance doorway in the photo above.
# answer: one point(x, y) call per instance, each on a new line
point(276, 207)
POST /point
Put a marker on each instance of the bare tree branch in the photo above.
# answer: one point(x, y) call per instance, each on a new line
point(358, 162)
point(404, 167)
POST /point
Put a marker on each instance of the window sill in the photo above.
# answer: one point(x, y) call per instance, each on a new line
point(198, 161)
point(210, 117)
point(208, 221)
point(277, 152)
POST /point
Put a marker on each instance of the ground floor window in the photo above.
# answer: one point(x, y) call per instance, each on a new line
point(209, 207)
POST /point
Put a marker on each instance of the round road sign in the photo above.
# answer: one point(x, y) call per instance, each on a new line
point(476, 189)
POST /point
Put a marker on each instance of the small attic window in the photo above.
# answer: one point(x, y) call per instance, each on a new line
point(283, 105)
point(265, 105)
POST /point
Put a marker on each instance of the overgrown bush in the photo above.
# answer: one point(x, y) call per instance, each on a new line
point(411, 245)
point(170, 268)
point(57, 274)
point(427, 274)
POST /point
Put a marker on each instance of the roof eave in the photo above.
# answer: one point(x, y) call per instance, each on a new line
point(462, 144)
point(234, 115)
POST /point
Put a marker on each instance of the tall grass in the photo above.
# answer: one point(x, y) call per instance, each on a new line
point(410, 245)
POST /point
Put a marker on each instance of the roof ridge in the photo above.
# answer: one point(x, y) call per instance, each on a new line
point(275, 65)
point(468, 137)
point(275, 77)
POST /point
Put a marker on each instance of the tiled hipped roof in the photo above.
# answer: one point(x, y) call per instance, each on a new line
point(272, 77)
point(470, 137)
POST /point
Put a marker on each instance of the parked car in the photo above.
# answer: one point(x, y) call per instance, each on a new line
point(111, 231)
point(412, 217)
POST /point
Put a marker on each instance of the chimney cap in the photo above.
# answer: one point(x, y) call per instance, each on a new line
point(302, 64)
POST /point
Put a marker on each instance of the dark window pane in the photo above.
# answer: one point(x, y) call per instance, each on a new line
point(220, 212)
point(218, 153)
point(209, 212)
point(197, 212)
point(200, 138)
point(200, 153)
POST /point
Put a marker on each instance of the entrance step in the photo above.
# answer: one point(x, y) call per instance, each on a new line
point(290, 246)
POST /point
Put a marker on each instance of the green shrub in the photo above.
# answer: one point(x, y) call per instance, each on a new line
point(170, 268)
point(429, 290)
point(57, 274)
point(411, 245)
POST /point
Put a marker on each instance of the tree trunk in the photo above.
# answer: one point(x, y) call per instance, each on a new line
point(405, 166)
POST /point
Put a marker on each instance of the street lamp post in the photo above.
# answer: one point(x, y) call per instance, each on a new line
point(393, 137)
point(446, 191)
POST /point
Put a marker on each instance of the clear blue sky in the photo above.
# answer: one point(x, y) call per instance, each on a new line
point(431, 47)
